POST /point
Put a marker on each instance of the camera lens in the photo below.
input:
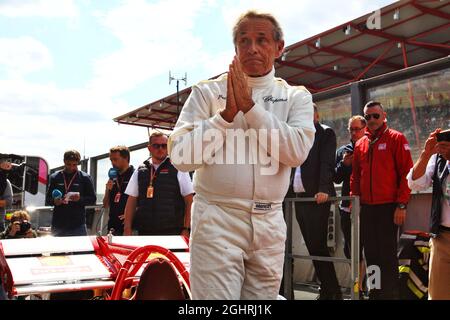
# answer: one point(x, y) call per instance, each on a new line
point(24, 226)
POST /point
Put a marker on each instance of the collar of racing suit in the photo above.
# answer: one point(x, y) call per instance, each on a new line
point(261, 82)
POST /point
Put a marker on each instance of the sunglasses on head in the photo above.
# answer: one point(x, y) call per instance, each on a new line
point(376, 116)
point(159, 145)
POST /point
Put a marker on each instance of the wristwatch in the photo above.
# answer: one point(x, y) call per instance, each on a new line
point(401, 205)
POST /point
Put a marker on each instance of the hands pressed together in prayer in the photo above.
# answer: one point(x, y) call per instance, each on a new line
point(239, 94)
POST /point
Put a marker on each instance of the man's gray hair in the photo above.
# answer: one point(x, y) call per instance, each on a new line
point(252, 14)
point(372, 103)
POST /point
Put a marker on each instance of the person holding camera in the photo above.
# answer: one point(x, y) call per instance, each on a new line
point(432, 169)
point(70, 190)
point(6, 193)
point(19, 227)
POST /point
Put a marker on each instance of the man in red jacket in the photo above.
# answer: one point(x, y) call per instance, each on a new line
point(381, 161)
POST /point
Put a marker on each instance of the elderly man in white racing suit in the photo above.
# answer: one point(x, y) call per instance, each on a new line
point(242, 133)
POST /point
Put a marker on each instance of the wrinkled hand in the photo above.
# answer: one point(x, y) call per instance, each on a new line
point(347, 159)
point(399, 216)
point(231, 109)
point(239, 94)
point(241, 90)
point(321, 197)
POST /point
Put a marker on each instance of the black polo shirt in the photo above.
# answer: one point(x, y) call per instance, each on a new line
point(117, 209)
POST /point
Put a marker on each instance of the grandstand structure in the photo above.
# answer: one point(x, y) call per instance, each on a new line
point(398, 55)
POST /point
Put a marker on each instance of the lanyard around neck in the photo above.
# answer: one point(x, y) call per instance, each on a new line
point(67, 186)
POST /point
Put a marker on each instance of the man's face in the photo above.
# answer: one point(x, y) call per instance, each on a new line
point(117, 161)
point(255, 46)
point(70, 166)
point(158, 148)
point(356, 129)
point(371, 114)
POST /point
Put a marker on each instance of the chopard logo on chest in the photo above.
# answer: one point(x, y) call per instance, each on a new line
point(273, 100)
point(265, 98)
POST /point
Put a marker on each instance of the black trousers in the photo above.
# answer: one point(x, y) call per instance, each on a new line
point(346, 227)
point(176, 231)
point(313, 221)
point(379, 238)
point(117, 225)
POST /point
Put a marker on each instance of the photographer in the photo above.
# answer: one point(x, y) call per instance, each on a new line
point(6, 193)
point(432, 169)
point(19, 227)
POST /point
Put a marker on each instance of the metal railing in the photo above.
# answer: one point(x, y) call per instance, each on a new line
point(355, 244)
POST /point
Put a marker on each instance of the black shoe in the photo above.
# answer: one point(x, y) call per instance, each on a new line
point(374, 294)
point(377, 294)
point(329, 296)
point(363, 295)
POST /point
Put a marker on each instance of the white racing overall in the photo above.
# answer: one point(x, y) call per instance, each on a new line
point(237, 230)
